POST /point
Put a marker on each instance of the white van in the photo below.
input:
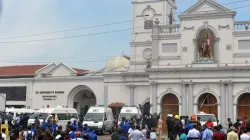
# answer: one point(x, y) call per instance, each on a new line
point(99, 119)
point(128, 113)
point(205, 117)
point(19, 111)
point(62, 115)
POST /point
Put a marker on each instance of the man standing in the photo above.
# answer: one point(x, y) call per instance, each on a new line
point(136, 134)
point(207, 134)
point(194, 133)
point(232, 135)
point(230, 124)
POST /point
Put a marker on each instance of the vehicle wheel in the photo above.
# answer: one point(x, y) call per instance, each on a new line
point(102, 132)
point(111, 131)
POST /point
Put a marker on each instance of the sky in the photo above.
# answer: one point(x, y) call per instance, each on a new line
point(29, 17)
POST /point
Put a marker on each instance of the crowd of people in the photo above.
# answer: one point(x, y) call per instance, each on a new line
point(46, 130)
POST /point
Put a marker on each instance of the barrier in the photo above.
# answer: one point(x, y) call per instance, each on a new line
point(6, 128)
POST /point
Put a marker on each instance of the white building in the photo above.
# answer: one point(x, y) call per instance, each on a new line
point(201, 64)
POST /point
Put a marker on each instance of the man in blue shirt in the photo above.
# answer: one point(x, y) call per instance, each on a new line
point(75, 125)
point(92, 134)
point(125, 128)
point(72, 133)
point(207, 134)
point(54, 127)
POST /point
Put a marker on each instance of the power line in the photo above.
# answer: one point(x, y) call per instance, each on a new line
point(77, 36)
point(95, 26)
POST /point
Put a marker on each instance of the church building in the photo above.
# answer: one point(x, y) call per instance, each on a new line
point(200, 64)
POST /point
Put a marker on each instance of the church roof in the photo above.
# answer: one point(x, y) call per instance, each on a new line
point(28, 70)
point(210, 8)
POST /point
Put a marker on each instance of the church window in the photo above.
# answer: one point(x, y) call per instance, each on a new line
point(244, 44)
point(148, 24)
point(169, 47)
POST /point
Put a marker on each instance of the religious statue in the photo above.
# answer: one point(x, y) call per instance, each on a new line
point(206, 45)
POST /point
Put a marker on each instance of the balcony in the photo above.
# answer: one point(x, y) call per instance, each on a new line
point(169, 29)
point(241, 26)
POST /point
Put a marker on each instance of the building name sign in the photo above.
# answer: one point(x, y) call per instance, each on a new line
point(49, 95)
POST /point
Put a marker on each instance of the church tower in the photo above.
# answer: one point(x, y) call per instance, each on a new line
point(145, 12)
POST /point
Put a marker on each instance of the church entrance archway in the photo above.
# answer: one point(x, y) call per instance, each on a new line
point(244, 105)
point(207, 103)
point(169, 105)
point(81, 98)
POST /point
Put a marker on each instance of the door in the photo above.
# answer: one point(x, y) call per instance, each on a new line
point(169, 105)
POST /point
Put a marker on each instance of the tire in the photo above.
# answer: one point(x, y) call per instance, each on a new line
point(111, 131)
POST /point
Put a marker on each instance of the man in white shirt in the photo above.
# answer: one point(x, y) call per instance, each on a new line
point(194, 133)
point(136, 134)
point(28, 134)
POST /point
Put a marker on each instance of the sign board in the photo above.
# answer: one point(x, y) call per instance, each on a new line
point(128, 111)
point(2, 102)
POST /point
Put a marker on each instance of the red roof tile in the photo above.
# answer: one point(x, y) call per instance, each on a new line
point(20, 70)
point(80, 71)
point(30, 70)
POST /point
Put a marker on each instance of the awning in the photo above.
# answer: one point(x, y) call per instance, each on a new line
point(116, 105)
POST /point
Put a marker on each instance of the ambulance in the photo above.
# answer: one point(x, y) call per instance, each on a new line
point(62, 115)
point(100, 119)
point(19, 111)
point(128, 113)
point(204, 117)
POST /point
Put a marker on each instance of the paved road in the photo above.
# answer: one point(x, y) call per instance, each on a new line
point(104, 137)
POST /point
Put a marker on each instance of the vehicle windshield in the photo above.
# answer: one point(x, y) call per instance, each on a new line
point(93, 117)
point(128, 116)
point(205, 118)
point(39, 116)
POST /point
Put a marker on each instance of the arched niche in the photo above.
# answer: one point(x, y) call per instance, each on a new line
point(206, 42)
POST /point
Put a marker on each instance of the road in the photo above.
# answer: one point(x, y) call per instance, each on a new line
point(104, 137)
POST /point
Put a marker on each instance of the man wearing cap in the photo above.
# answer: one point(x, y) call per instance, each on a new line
point(170, 125)
point(177, 125)
point(232, 135)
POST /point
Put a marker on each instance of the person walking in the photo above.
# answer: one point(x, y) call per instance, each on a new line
point(160, 123)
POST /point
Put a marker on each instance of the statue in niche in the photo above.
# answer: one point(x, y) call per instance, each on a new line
point(206, 46)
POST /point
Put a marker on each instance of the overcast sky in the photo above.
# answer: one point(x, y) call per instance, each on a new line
point(27, 17)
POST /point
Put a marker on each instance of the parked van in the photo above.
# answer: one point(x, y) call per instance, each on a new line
point(62, 115)
point(100, 119)
point(128, 113)
point(205, 117)
point(19, 111)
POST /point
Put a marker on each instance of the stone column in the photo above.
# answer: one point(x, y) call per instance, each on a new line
point(132, 95)
point(153, 96)
point(223, 104)
point(183, 100)
point(190, 100)
point(155, 44)
point(105, 95)
point(230, 101)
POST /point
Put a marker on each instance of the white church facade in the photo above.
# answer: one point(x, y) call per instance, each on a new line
point(200, 64)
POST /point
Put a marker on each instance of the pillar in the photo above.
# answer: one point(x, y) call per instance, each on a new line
point(132, 95)
point(223, 104)
point(190, 100)
point(230, 101)
point(153, 96)
point(105, 95)
point(184, 99)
